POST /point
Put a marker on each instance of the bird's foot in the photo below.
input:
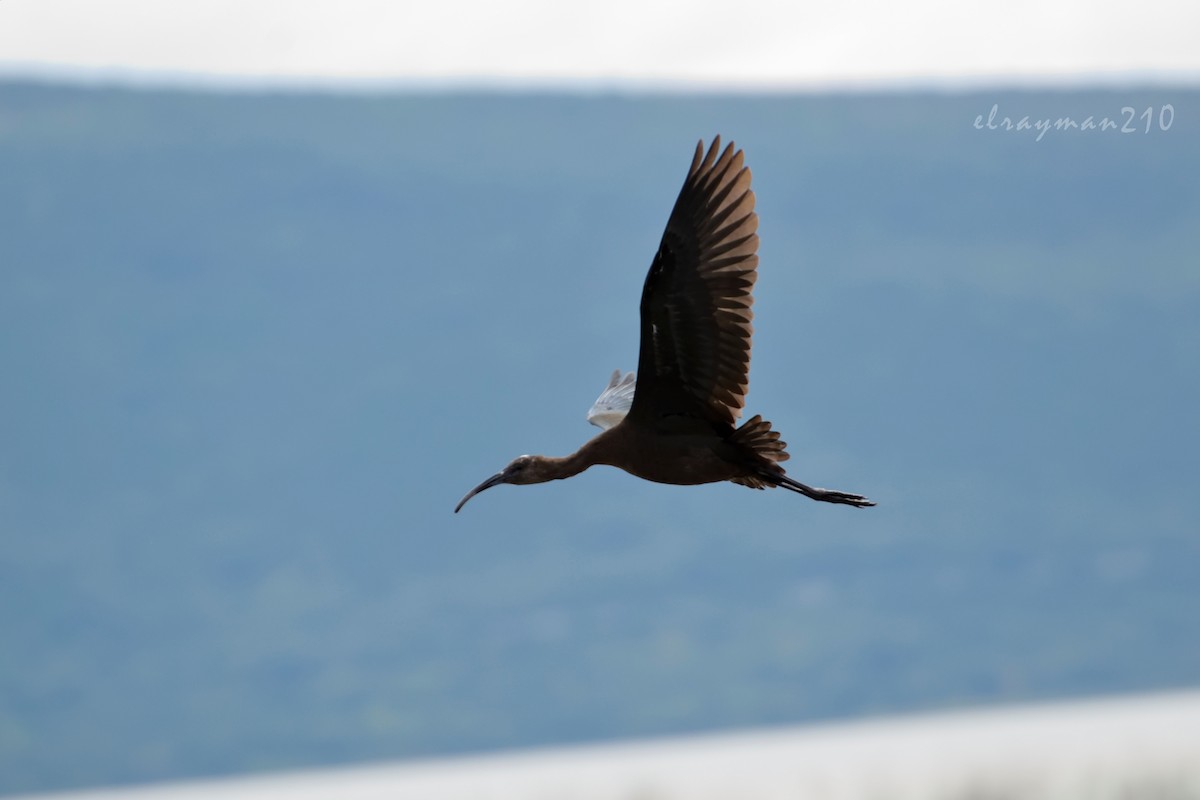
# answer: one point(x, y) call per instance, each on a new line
point(824, 495)
point(831, 496)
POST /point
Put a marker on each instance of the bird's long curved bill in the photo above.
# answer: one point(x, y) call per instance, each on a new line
point(495, 480)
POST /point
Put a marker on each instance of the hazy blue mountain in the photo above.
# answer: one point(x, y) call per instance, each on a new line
point(254, 347)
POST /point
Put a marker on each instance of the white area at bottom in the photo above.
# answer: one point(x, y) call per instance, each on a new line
point(1131, 747)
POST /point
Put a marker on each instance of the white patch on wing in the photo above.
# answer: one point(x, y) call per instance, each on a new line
point(613, 403)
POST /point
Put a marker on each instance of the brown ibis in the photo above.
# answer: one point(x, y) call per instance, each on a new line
point(677, 421)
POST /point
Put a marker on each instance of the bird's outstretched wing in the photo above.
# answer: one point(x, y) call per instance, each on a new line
point(613, 403)
point(694, 359)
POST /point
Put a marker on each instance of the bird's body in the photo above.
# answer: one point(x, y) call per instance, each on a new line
point(681, 457)
point(677, 423)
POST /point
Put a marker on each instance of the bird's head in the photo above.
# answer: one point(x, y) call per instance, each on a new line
point(521, 470)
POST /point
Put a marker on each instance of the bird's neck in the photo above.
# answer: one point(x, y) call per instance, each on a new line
point(591, 454)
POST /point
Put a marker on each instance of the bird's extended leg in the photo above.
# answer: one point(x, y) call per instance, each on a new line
point(824, 495)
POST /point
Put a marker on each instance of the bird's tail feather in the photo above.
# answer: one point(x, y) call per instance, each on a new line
point(756, 434)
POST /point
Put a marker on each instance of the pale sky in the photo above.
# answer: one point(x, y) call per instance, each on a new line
point(762, 44)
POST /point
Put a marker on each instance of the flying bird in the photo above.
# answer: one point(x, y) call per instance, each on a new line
point(676, 422)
